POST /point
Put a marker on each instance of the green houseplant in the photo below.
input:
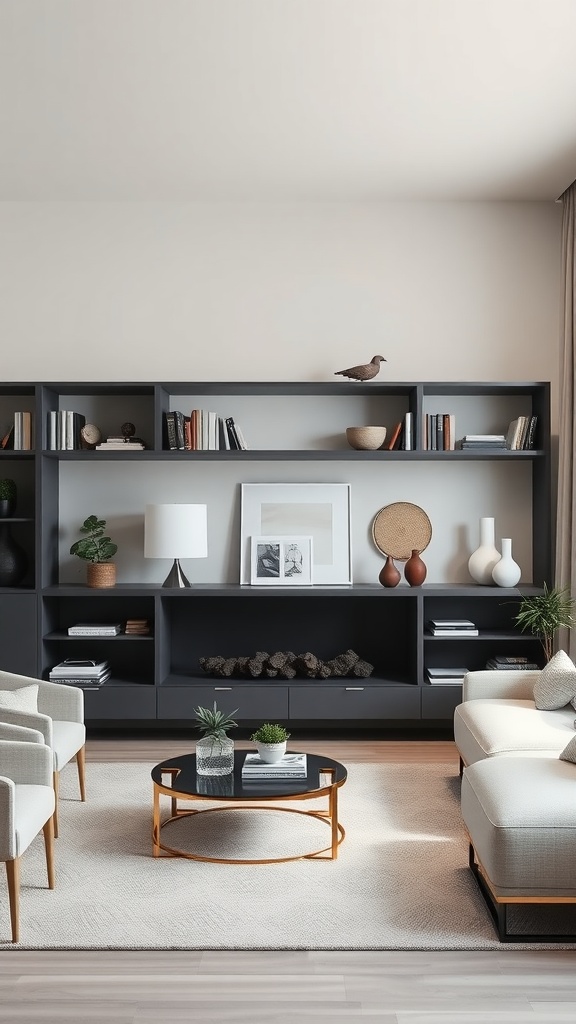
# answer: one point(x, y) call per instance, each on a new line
point(96, 549)
point(7, 497)
point(270, 740)
point(215, 749)
point(544, 614)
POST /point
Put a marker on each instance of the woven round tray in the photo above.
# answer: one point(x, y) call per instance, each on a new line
point(401, 528)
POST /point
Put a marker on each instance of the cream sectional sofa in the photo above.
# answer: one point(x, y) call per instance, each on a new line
point(518, 799)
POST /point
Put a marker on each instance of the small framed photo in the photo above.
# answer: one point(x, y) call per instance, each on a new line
point(281, 561)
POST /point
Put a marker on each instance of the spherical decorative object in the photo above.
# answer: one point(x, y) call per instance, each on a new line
point(506, 572)
point(366, 438)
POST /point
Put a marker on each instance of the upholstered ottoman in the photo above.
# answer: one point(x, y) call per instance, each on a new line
point(520, 813)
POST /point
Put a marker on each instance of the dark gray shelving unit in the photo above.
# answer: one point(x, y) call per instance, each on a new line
point(157, 680)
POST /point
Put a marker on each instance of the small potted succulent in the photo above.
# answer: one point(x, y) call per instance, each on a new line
point(215, 749)
point(270, 740)
point(96, 550)
point(7, 498)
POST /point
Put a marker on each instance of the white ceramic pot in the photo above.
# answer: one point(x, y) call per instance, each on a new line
point(271, 752)
point(483, 560)
point(506, 572)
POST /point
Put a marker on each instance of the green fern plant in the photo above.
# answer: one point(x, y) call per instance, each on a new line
point(544, 614)
point(268, 733)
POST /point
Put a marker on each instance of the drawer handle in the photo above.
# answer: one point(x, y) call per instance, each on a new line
point(222, 687)
point(354, 687)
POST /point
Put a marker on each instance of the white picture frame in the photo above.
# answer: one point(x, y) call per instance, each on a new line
point(281, 561)
point(321, 511)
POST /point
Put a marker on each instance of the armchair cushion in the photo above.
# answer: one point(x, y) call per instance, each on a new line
point(67, 738)
point(555, 687)
point(23, 699)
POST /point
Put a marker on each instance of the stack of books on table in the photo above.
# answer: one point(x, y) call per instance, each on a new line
point(81, 672)
point(120, 444)
point(137, 627)
point(292, 766)
point(95, 629)
point(515, 662)
point(452, 627)
point(470, 442)
point(446, 676)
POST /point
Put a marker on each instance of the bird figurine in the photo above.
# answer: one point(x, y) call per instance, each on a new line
point(365, 371)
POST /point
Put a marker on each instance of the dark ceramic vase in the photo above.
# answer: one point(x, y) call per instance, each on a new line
point(13, 559)
point(415, 570)
point(7, 507)
point(389, 574)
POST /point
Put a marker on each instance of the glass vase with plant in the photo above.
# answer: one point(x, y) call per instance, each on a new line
point(544, 614)
point(215, 749)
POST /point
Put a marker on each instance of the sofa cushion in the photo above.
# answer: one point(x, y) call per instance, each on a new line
point(556, 685)
point(496, 728)
point(569, 752)
point(24, 698)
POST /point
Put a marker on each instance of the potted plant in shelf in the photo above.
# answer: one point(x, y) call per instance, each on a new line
point(96, 549)
point(7, 498)
point(544, 614)
point(215, 749)
point(270, 742)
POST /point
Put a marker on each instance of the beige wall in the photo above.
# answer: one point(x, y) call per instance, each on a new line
point(140, 291)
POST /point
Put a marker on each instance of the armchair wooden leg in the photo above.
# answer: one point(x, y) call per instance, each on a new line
point(13, 873)
point(49, 846)
point(56, 783)
point(81, 762)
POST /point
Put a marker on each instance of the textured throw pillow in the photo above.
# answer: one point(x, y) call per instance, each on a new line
point(23, 699)
point(569, 752)
point(556, 684)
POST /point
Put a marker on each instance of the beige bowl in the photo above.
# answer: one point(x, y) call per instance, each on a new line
point(366, 438)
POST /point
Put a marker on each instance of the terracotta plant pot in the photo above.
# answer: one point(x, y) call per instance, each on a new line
point(101, 574)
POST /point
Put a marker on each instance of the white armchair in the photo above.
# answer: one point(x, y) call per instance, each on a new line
point(59, 720)
point(27, 802)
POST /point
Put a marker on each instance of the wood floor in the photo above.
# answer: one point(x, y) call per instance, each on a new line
point(499, 987)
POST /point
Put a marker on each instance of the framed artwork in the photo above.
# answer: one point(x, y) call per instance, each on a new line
point(319, 511)
point(281, 561)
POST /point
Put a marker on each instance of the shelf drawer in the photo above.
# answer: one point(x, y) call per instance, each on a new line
point(344, 702)
point(440, 701)
point(253, 702)
point(138, 702)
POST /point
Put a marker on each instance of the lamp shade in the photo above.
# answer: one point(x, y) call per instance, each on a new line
point(175, 531)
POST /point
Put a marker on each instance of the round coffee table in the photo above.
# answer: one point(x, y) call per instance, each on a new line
point(177, 779)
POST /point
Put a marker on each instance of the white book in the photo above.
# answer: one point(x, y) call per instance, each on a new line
point(17, 431)
point(408, 436)
point(241, 438)
point(484, 437)
point(79, 667)
point(51, 438)
point(455, 632)
point(291, 764)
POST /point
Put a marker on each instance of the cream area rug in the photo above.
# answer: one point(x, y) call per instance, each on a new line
point(401, 880)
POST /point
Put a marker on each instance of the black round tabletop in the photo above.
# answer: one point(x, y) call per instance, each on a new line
point(234, 787)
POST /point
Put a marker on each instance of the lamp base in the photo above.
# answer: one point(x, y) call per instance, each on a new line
point(176, 577)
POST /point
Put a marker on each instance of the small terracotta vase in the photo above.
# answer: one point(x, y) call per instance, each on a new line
point(414, 569)
point(389, 574)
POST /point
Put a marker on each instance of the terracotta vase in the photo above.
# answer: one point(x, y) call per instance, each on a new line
point(415, 569)
point(101, 574)
point(389, 574)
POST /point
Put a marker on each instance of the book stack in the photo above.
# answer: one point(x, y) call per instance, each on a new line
point(120, 444)
point(515, 662)
point(95, 629)
point(473, 442)
point(452, 627)
point(81, 672)
point(522, 433)
point(439, 432)
point(292, 766)
point(63, 430)
point(137, 627)
point(446, 676)
point(201, 431)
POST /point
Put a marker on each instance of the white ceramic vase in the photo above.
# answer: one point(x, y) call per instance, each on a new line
point(506, 572)
point(483, 560)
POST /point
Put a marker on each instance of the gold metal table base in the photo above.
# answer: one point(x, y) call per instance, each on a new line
point(328, 817)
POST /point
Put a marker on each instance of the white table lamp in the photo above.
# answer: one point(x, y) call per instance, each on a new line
point(175, 531)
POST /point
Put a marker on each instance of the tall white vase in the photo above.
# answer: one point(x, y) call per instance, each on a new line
point(506, 572)
point(483, 560)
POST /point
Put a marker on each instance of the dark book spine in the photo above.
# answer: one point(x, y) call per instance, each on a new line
point(179, 424)
point(170, 431)
point(531, 433)
point(234, 442)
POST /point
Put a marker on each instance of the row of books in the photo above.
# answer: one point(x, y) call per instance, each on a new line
point(452, 627)
point(402, 435)
point(84, 672)
point(454, 676)
point(202, 430)
point(516, 662)
point(439, 432)
point(522, 433)
point(19, 435)
point(63, 430)
point(291, 766)
point(132, 627)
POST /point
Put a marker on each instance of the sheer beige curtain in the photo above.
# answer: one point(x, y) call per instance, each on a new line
point(566, 514)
